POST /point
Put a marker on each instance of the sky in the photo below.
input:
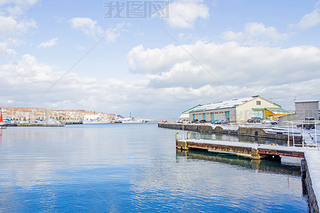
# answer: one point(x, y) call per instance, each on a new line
point(155, 59)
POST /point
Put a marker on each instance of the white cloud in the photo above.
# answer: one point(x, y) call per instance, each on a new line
point(225, 65)
point(75, 92)
point(154, 60)
point(181, 75)
point(16, 7)
point(92, 29)
point(255, 33)
point(183, 13)
point(18, 2)
point(244, 71)
point(10, 30)
point(309, 20)
point(9, 27)
point(5, 50)
point(113, 33)
point(52, 42)
point(87, 26)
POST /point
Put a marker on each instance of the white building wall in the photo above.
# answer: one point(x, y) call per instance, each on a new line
point(244, 111)
point(306, 109)
point(219, 114)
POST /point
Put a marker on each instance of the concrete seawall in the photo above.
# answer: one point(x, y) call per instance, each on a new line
point(232, 130)
point(310, 170)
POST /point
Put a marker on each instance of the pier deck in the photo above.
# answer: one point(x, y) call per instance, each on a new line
point(253, 151)
point(312, 179)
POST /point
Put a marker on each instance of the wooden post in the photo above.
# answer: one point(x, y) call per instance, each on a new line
point(188, 135)
point(288, 135)
point(255, 154)
point(315, 134)
point(293, 143)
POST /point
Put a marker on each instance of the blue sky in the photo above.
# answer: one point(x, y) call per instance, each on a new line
point(68, 55)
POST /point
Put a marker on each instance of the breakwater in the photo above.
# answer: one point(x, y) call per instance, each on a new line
point(251, 131)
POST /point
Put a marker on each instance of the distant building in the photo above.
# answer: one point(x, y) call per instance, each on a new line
point(303, 110)
point(185, 114)
point(237, 110)
point(307, 109)
point(33, 114)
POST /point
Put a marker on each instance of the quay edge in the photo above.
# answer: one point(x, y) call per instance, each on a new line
point(240, 131)
point(310, 168)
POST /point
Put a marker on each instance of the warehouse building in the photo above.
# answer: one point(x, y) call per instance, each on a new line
point(303, 110)
point(185, 114)
point(237, 110)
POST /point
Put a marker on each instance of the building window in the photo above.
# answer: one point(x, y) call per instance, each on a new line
point(258, 102)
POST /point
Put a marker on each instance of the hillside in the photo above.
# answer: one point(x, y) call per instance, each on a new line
point(33, 113)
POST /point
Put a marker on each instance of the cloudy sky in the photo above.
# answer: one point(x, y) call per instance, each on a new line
point(156, 58)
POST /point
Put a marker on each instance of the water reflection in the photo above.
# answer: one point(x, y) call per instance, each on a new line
point(132, 168)
point(257, 165)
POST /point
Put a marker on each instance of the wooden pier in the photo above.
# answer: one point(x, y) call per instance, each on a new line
point(253, 151)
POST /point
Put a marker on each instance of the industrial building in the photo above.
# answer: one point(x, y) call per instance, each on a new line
point(185, 114)
point(303, 110)
point(238, 110)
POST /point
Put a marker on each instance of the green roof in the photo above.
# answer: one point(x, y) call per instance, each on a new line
point(188, 110)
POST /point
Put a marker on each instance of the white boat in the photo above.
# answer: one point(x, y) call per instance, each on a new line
point(132, 120)
point(96, 122)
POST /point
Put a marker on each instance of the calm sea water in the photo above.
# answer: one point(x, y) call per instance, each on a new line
point(134, 168)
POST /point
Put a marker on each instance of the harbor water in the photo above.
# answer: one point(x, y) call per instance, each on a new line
point(135, 168)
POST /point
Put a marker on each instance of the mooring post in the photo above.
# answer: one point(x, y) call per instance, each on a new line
point(303, 177)
point(255, 154)
point(177, 137)
point(293, 143)
point(188, 135)
point(288, 135)
point(315, 134)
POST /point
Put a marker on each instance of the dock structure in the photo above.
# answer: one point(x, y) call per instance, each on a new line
point(310, 165)
point(253, 151)
point(257, 131)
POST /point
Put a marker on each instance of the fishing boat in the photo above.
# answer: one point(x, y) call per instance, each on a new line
point(132, 120)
